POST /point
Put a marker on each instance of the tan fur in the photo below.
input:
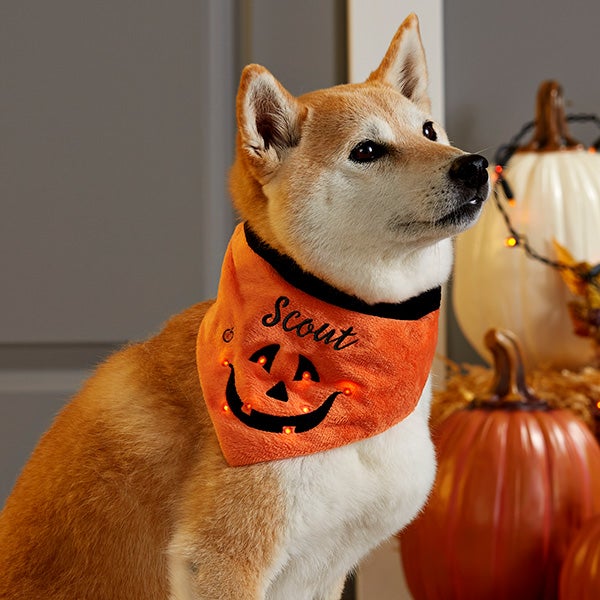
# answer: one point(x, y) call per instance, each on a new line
point(128, 495)
point(131, 457)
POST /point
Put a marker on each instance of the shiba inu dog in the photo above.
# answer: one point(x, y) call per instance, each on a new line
point(263, 443)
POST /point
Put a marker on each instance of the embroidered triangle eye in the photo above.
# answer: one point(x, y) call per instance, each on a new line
point(265, 356)
point(306, 370)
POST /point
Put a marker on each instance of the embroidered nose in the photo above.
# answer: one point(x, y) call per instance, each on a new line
point(278, 392)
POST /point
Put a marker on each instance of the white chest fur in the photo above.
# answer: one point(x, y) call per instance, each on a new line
point(344, 502)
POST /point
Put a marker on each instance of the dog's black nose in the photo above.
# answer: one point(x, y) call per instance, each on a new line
point(470, 170)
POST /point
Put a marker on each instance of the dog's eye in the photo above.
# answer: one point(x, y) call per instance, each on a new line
point(367, 151)
point(429, 131)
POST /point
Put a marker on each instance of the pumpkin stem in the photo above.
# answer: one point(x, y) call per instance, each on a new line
point(551, 130)
point(509, 388)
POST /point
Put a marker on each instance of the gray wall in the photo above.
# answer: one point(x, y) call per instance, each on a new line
point(106, 176)
point(496, 55)
point(302, 43)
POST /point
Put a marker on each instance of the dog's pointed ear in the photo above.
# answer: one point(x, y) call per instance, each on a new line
point(404, 66)
point(269, 120)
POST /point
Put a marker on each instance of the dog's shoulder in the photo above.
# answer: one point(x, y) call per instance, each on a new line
point(163, 368)
point(174, 348)
point(148, 393)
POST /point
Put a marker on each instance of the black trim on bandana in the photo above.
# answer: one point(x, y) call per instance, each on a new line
point(412, 309)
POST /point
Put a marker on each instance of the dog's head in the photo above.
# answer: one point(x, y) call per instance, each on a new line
point(358, 182)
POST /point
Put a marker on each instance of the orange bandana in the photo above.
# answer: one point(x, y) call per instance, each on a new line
point(290, 366)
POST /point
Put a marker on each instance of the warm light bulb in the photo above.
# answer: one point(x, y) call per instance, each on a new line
point(511, 242)
point(225, 407)
point(306, 375)
point(347, 387)
point(262, 360)
point(288, 429)
point(225, 363)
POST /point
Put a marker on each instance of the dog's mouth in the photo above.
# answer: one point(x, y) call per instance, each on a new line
point(456, 220)
point(464, 214)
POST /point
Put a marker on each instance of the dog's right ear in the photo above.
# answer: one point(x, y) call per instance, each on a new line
point(404, 66)
point(269, 120)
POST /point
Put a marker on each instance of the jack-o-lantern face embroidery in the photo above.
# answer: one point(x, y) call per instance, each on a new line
point(297, 423)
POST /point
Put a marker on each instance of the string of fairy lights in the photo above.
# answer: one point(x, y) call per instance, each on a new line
point(518, 239)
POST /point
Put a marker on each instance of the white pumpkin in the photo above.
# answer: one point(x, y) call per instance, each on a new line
point(557, 196)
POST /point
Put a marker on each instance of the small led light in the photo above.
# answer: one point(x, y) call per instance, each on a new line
point(226, 408)
point(305, 409)
point(247, 408)
point(598, 405)
point(499, 169)
point(511, 241)
point(306, 376)
point(346, 387)
point(225, 362)
point(262, 360)
point(288, 430)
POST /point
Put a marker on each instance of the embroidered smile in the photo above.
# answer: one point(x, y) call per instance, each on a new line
point(274, 423)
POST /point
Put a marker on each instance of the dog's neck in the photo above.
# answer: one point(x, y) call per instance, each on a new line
point(384, 304)
point(378, 278)
point(392, 279)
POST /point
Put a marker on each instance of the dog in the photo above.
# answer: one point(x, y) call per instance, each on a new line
point(262, 444)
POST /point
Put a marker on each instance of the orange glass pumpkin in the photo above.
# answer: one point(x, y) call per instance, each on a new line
point(580, 573)
point(515, 482)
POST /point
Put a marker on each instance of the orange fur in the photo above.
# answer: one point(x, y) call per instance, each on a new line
point(131, 457)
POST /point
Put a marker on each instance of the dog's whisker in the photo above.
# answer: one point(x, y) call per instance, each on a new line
point(484, 150)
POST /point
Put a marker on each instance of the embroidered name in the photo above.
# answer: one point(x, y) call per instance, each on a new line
point(293, 321)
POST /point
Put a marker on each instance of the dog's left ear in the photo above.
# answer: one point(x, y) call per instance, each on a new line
point(269, 120)
point(404, 66)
